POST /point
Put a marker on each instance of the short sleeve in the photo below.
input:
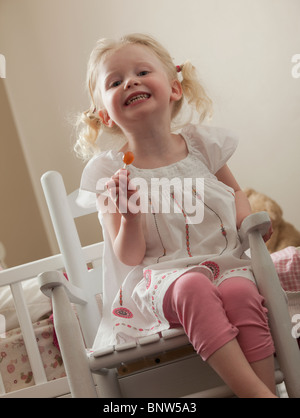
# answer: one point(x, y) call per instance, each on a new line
point(213, 145)
point(100, 167)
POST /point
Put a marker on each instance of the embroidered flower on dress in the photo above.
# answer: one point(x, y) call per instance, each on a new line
point(213, 267)
point(123, 312)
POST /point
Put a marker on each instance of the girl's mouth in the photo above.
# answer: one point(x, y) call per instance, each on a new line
point(136, 97)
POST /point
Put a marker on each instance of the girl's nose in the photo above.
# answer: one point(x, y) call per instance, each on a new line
point(130, 82)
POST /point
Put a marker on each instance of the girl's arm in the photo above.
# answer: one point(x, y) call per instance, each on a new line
point(125, 229)
point(127, 237)
point(243, 208)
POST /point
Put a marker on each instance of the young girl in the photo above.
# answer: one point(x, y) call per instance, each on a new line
point(161, 268)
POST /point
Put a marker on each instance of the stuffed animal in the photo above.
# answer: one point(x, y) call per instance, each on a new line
point(284, 233)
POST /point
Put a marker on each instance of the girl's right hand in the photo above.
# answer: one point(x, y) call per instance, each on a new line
point(121, 192)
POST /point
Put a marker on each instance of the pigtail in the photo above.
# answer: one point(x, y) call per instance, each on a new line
point(194, 92)
point(89, 127)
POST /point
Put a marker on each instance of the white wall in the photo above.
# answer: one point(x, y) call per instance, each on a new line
point(242, 48)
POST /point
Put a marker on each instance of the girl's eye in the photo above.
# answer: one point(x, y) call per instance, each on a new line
point(115, 84)
point(142, 73)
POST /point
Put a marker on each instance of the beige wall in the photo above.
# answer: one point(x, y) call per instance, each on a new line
point(21, 228)
point(242, 48)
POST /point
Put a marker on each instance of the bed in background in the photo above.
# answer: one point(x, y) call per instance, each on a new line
point(15, 367)
point(30, 360)
point(287, 264)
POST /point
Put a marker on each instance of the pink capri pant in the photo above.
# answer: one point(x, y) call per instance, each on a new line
point(212, 316)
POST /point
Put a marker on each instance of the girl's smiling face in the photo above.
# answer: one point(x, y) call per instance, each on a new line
point(134, 84)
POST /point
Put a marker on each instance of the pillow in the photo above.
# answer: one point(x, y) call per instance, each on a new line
point(287, 264)
point(38, 304)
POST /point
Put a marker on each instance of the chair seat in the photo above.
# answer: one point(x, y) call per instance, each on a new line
point(113, 356)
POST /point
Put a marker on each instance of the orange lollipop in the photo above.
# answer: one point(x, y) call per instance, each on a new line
point(128, 158)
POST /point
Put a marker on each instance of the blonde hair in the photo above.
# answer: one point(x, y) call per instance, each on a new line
point(89, 121)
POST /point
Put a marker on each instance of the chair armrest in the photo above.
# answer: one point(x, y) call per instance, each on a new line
point(269, 286)
point(68, 331)
point(258, 222)
point(51, 279)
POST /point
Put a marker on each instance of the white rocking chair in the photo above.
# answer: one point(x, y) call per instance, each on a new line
point(160, 365)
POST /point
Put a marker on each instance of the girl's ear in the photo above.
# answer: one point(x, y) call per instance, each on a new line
point(105, 118)
point(176, 93)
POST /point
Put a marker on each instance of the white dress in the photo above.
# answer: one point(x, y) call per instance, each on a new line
point(133, 296)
